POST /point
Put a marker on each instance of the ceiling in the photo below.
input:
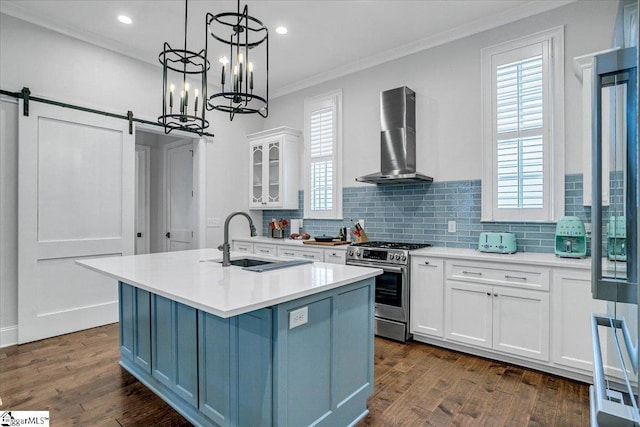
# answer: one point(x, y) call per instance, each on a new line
point(326, 39)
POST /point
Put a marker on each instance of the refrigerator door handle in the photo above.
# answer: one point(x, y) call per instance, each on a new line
point(612, 69)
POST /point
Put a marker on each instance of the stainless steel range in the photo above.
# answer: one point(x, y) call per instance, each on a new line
point(392, 286)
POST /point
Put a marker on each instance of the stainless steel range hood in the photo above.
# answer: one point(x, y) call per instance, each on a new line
point(397, 140)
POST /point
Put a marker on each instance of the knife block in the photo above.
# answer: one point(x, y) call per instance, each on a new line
point(362, 238)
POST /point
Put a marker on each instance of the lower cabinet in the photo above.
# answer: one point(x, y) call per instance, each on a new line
point(135, 330)
point(331, 255)
point(509, 320)
point(264, 249)
point(427, 296)
point(258, 368)
point(325, 366)
point(335, 256)
point(571, 311)
point(242, 247)
point(175, 347)
point(306, 253)
point(240, 369)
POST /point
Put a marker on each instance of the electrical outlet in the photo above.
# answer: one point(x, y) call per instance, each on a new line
point(588, 228)
point(452, 226)
point(298, 317)
point(213, 222)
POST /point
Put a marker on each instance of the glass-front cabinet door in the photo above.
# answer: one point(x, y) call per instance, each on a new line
point(265, 174)
point(274, 172)
point(274, 169)
point(256, 174)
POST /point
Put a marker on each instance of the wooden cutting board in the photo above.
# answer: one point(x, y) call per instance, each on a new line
point(336, 243)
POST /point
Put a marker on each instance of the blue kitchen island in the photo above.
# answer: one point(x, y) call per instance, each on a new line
point(229, 347)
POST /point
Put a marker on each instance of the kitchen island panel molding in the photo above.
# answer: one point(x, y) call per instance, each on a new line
point(135, 330)
point(338, 338)
point(174, 346)
point(254, 369)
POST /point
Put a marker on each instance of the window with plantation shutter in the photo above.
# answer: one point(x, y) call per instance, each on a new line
point(520, 127)
point(323, 188)
point(523, 141)
point(322, 139)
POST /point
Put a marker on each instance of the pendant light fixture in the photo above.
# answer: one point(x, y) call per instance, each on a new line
point(244, 74)
point(184, 87)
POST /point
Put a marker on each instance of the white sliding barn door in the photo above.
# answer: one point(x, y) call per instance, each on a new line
point(75, 200)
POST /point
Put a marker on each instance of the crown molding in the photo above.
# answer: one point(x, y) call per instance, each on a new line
point(534, 7)
point(528, 9)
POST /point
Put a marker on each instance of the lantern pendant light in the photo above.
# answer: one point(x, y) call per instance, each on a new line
point(184, 87)
point(244, 81)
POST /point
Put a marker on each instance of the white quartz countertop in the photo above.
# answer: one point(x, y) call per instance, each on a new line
point(195, 278)
point(290, 242)
point(549, 260)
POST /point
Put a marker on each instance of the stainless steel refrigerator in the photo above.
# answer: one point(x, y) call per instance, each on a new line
point(615, 240)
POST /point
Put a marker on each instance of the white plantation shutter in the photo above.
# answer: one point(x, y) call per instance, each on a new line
point(520, 134)
point(323, 186)
point(523, 129)
point(322, 149)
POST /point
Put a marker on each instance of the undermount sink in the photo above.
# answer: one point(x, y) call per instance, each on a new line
point(248, 262)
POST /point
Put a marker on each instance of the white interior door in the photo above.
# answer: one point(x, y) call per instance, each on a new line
point(75, 200)
point(143, 193)
point(179, 179)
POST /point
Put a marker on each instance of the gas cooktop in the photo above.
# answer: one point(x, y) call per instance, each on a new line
point(392, 245)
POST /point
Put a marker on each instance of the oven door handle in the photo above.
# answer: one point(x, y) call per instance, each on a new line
point(400, 270)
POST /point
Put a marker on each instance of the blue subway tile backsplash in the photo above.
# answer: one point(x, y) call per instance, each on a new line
point(419, 213)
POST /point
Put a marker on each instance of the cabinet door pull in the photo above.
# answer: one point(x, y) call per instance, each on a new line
point(506, 276)
point(308, 256)
point(427, 264)
point(477, 273)
point(264, 251)
point(288, 253)
point(488, 293)
point(495, 295)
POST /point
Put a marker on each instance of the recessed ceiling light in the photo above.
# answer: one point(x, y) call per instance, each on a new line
point(281, 30)
point(124, 19)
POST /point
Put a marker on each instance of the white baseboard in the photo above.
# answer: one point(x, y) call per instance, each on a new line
point(8, 336)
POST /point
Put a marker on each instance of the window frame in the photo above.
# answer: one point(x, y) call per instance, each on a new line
point(332, 100)
point(552, 42)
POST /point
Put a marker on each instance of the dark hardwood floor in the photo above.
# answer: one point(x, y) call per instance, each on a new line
point(77, 378)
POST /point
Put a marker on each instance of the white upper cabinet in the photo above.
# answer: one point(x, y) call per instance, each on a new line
point(274, 172)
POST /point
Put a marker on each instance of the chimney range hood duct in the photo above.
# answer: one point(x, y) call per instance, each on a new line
point(397, 140)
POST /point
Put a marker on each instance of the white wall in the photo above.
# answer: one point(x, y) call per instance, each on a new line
point(64, 69)
point(447, 84)
point(8, 221)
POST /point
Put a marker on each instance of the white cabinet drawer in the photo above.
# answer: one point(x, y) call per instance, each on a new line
point(520, 276)
point(264, 249)
point(335, 256)
point(312, 254)
point(242, 247)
